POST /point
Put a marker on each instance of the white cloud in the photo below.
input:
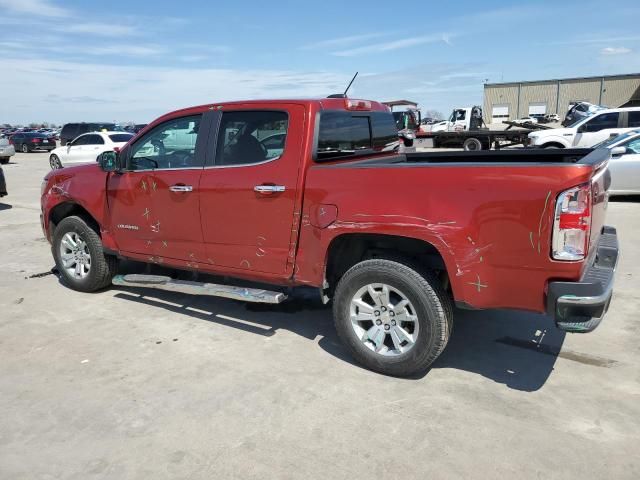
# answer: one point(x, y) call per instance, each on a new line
point(62, 91)
point(98, 29)
point(42, 8)
point(342, 41)
point(394, 45)
point(615, 51)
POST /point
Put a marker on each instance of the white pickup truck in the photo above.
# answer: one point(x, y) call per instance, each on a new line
point(588, 131)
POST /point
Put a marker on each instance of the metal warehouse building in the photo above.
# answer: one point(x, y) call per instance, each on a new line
point(508, 101)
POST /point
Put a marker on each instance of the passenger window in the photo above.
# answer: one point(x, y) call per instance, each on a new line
point(169, 145)
point(81, 140)
point(249, 137)
point(94, 140)
point(634, 146)
point(634, 119)
point(601, 122)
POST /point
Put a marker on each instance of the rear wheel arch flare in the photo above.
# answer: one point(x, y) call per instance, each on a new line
point(348, 249)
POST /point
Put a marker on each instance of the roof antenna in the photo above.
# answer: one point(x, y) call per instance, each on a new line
point(344, 95)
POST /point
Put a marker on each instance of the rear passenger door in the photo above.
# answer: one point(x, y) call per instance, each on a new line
point(248, 192)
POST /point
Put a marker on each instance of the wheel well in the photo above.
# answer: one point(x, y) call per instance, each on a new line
point(68, 209)
point(347, 250)
point(553, 144)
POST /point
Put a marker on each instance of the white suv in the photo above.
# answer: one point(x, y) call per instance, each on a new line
point(588, 131)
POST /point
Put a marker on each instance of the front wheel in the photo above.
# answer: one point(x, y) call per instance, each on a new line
point(54, 162)
point(4, 160)
point(80, 258)
point(393, 319)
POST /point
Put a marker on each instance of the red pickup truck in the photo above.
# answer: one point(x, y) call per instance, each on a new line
point(316, 193)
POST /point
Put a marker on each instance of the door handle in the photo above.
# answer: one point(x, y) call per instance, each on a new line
point(181, 188)
point(267, 189)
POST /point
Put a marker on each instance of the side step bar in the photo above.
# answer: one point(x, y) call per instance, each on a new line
point(199, 288)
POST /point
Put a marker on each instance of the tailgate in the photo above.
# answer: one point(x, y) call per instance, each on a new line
point(600, 183)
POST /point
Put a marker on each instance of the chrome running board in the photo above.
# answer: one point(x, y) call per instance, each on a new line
point(199, 288)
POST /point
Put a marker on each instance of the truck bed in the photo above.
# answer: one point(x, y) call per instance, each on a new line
point(583, 156)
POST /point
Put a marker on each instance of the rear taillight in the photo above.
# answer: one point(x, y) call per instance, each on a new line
point(572, 224)
point(35, 140)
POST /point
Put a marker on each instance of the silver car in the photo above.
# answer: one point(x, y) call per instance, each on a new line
point(6, 150)
point(625, 163)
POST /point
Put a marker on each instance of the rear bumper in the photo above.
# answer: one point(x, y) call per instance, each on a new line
point(7, 151)
point(581, 306)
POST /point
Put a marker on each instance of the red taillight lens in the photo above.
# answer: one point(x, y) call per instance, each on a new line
point(35, 140)
point(572, 224)
point(353, 104)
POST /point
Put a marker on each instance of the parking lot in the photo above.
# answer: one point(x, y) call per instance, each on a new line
point(142, 384)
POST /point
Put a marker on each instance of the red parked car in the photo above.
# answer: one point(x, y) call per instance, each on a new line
point(395, 240)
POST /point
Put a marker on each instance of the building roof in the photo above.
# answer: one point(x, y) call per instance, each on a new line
point(597, 77)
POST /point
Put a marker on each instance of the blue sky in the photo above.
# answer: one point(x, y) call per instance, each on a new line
point(135, 60)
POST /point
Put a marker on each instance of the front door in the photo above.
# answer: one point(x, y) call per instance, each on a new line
point(157, 200)
point(248, 195)
point(598, 128)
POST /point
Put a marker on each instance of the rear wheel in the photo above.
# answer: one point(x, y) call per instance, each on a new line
point(472, 144)
point(393, 319)
point(55, 162)
point(80, 258)
point(25, 148)
point(4, 160)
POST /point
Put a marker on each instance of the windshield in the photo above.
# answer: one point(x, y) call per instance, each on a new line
point(617, 139)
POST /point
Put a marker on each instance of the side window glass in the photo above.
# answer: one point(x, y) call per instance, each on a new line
point(249, 137)
point(169, 145)
point(634, 119)
point(634, 145)
point(82, 140)
point(94, 140)
point(601, 122)
point(343, 134)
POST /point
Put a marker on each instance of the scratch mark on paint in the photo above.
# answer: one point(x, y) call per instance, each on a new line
point(148, 243)
point(322, 212)
point(478, 284)
point(544, 209)
point(471, 240)
point(243, 262)
point(156, 227)
point(153, 185)
point(446, 223)
point(210, 261)
point(143, 185)
point(531, 240)
point(192, 255)
point(165, 244)
point(146, 213)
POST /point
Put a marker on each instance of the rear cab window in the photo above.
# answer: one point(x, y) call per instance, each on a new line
point(345, 134)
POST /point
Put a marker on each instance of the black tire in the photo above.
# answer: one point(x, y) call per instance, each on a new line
point(25, 148)
point(552, 145)
point(432, 305)
point(4, 160)
point(103, 267)
point(472, 144)
point(54, 162)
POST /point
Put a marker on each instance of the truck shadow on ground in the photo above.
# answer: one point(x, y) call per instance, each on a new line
point(515, 349)
point(5, 206)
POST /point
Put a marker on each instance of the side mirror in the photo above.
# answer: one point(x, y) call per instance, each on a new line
point(108, 161)
point(618, 151)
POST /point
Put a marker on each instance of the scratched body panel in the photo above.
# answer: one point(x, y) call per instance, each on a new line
point(491, 225)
